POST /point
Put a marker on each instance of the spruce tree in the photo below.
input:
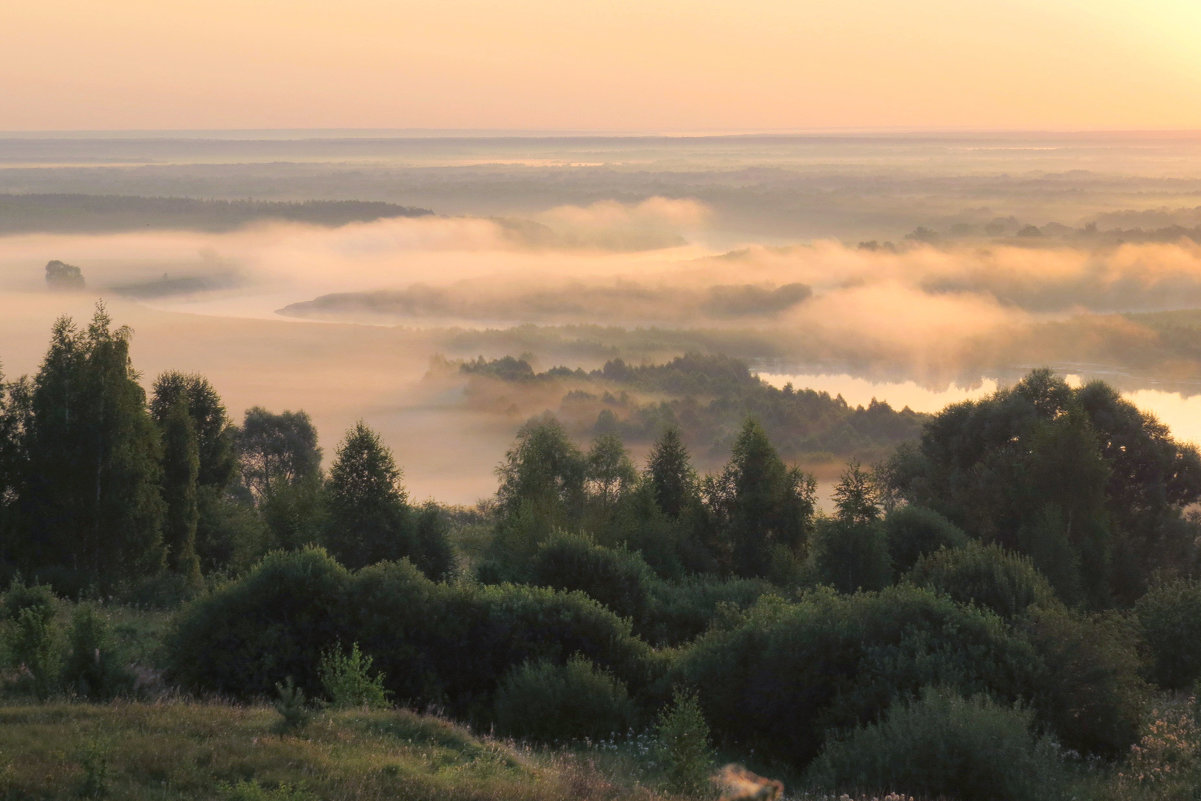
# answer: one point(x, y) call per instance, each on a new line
point(670, 473)
point(368, 513)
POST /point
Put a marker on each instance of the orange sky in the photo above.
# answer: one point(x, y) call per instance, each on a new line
point(620, 65)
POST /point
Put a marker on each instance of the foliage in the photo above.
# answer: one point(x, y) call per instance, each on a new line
point(1165, 763)
point(609, 473)
point(670, 474)
point(291, 705)
point(91, 495)
point(1089, 689)
point(988, 575)
point(914, 531)
point(368, 512)
point(706, 397)
point(1078, 479)
point(180, 490)
point(32, 644)
point(850, 554)
point(63, 277)
point(545, 472)
point(757, 503)
point(215, 447)
point(784, 674)
point(856, 497)
point(680, 611)
point(274, 622)
point(682, 745)
point(1169, 620)
point(93, 669)
point(435, 643)
point(21, 596)
point(551, 702)
point(943, 745)
point(432, 551)
point(348, 680)
point(277, 451)
point(616, 578)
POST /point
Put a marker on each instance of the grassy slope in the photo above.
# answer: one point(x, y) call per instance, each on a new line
point(205, 751)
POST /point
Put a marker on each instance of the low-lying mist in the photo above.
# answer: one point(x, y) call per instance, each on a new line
point(344, 321)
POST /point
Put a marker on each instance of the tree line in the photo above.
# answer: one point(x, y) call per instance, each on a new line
point(103, 488)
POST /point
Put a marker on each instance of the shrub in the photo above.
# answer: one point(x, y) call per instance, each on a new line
point(1165, 765)
point(617, 578)
point(273, 622)
point(1169, 618)
point(93, 668)
point(435, 643)
point(850, 556)
point(914, 531)
point(412, 627)
point(787, 672)
point(945, 746)
point(20, 596)
point(1089, 691)
point(32, 644)
point(682, 745)
point(682, 611)
point(988, 575)
point(513, 624)
point(549, 702)
point(290, 703)
point(348, 681)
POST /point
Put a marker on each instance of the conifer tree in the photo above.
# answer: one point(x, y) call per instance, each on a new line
point(670, 473)
point(368, 512)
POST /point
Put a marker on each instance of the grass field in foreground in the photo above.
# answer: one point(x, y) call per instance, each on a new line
point(186, 750)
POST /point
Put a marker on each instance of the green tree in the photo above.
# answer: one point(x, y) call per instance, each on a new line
point(281, 469)
point(856, 496)
point(218, 460)
point(757, 503)
point(1081, 481)
point(181, 466)
point(610, 473)
point(14, 413)
point(545, 472)
point(277, 450)
point(93, 503)
point(683, 746)
point(368, 513)
point(669, 471)
point(225, 529)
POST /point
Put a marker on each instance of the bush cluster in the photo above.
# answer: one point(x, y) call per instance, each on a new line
point(788, 673)
point(548, 702)
point(943, 745)
point(433, 643)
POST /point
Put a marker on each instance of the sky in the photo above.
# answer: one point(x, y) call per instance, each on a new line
point(671, 66)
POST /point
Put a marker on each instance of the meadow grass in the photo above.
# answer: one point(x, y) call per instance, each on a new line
point(189, 750)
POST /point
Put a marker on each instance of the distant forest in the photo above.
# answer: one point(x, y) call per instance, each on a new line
point(707, 397)
point(60, 213)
